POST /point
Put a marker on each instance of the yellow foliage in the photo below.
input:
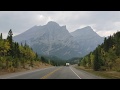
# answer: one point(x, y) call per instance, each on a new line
point(4, 46)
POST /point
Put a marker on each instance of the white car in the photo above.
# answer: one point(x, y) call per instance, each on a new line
point(67, 64)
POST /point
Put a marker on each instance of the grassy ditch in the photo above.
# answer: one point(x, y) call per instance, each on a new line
point(104, 74)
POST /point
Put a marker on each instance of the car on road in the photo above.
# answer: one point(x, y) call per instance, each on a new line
point(67, 64)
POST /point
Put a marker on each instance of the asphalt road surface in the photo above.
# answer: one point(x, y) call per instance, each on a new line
point(60, 72)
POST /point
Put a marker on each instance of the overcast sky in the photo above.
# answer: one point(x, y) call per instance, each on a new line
point(105, 23)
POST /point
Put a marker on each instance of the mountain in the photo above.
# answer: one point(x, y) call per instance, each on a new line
point(88, 39)
point(55, 40)
point(49, 39)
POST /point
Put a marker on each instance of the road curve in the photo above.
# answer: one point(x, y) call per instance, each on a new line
point(60, 72)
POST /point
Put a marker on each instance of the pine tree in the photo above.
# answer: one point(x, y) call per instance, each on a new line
point(21, 44)
point(106, 44)
point(96, 63)
point(25, 46)
point(43, 59)
point(1, 36)
point(36, 55)
point(9, 38)
point(18, 51)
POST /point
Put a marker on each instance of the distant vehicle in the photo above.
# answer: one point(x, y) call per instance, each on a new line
point(67, 64)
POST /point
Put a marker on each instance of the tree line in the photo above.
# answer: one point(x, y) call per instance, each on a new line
point(106, 56)
point(13, 55)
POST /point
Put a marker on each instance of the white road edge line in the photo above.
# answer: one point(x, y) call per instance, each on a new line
point(8, 77)
point(76, 74)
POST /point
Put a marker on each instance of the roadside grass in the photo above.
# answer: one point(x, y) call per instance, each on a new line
point(36, 66)
point(104, 74)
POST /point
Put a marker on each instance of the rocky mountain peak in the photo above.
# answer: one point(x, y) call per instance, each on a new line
point(55, 40)
point(52, 23)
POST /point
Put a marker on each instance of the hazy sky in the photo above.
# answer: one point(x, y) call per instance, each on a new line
point(103, 22)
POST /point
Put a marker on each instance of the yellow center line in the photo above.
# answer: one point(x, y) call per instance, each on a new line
point(44, 77)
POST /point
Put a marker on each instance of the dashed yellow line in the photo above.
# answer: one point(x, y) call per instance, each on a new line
point(44, 77)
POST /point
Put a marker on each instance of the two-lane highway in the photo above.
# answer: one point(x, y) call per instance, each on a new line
point(62, 72)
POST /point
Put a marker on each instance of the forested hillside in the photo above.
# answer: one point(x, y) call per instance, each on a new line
point(14, 56)
point(106, 56)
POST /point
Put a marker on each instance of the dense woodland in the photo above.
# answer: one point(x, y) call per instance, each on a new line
point(106, 56)
point(13, 55)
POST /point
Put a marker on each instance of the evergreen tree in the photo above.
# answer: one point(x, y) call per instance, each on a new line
point(17, 50)
point(36, 55)
point(1, 36)
point(9, 38)
point(89, 61)
point(25, 44)
point(96, 63)
point(43, 59)
point(21, 44)
point(106, 44)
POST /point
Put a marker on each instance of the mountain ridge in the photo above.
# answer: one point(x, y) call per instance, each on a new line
point(55, 40)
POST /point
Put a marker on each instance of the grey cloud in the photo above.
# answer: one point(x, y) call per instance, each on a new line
point(20, 21)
